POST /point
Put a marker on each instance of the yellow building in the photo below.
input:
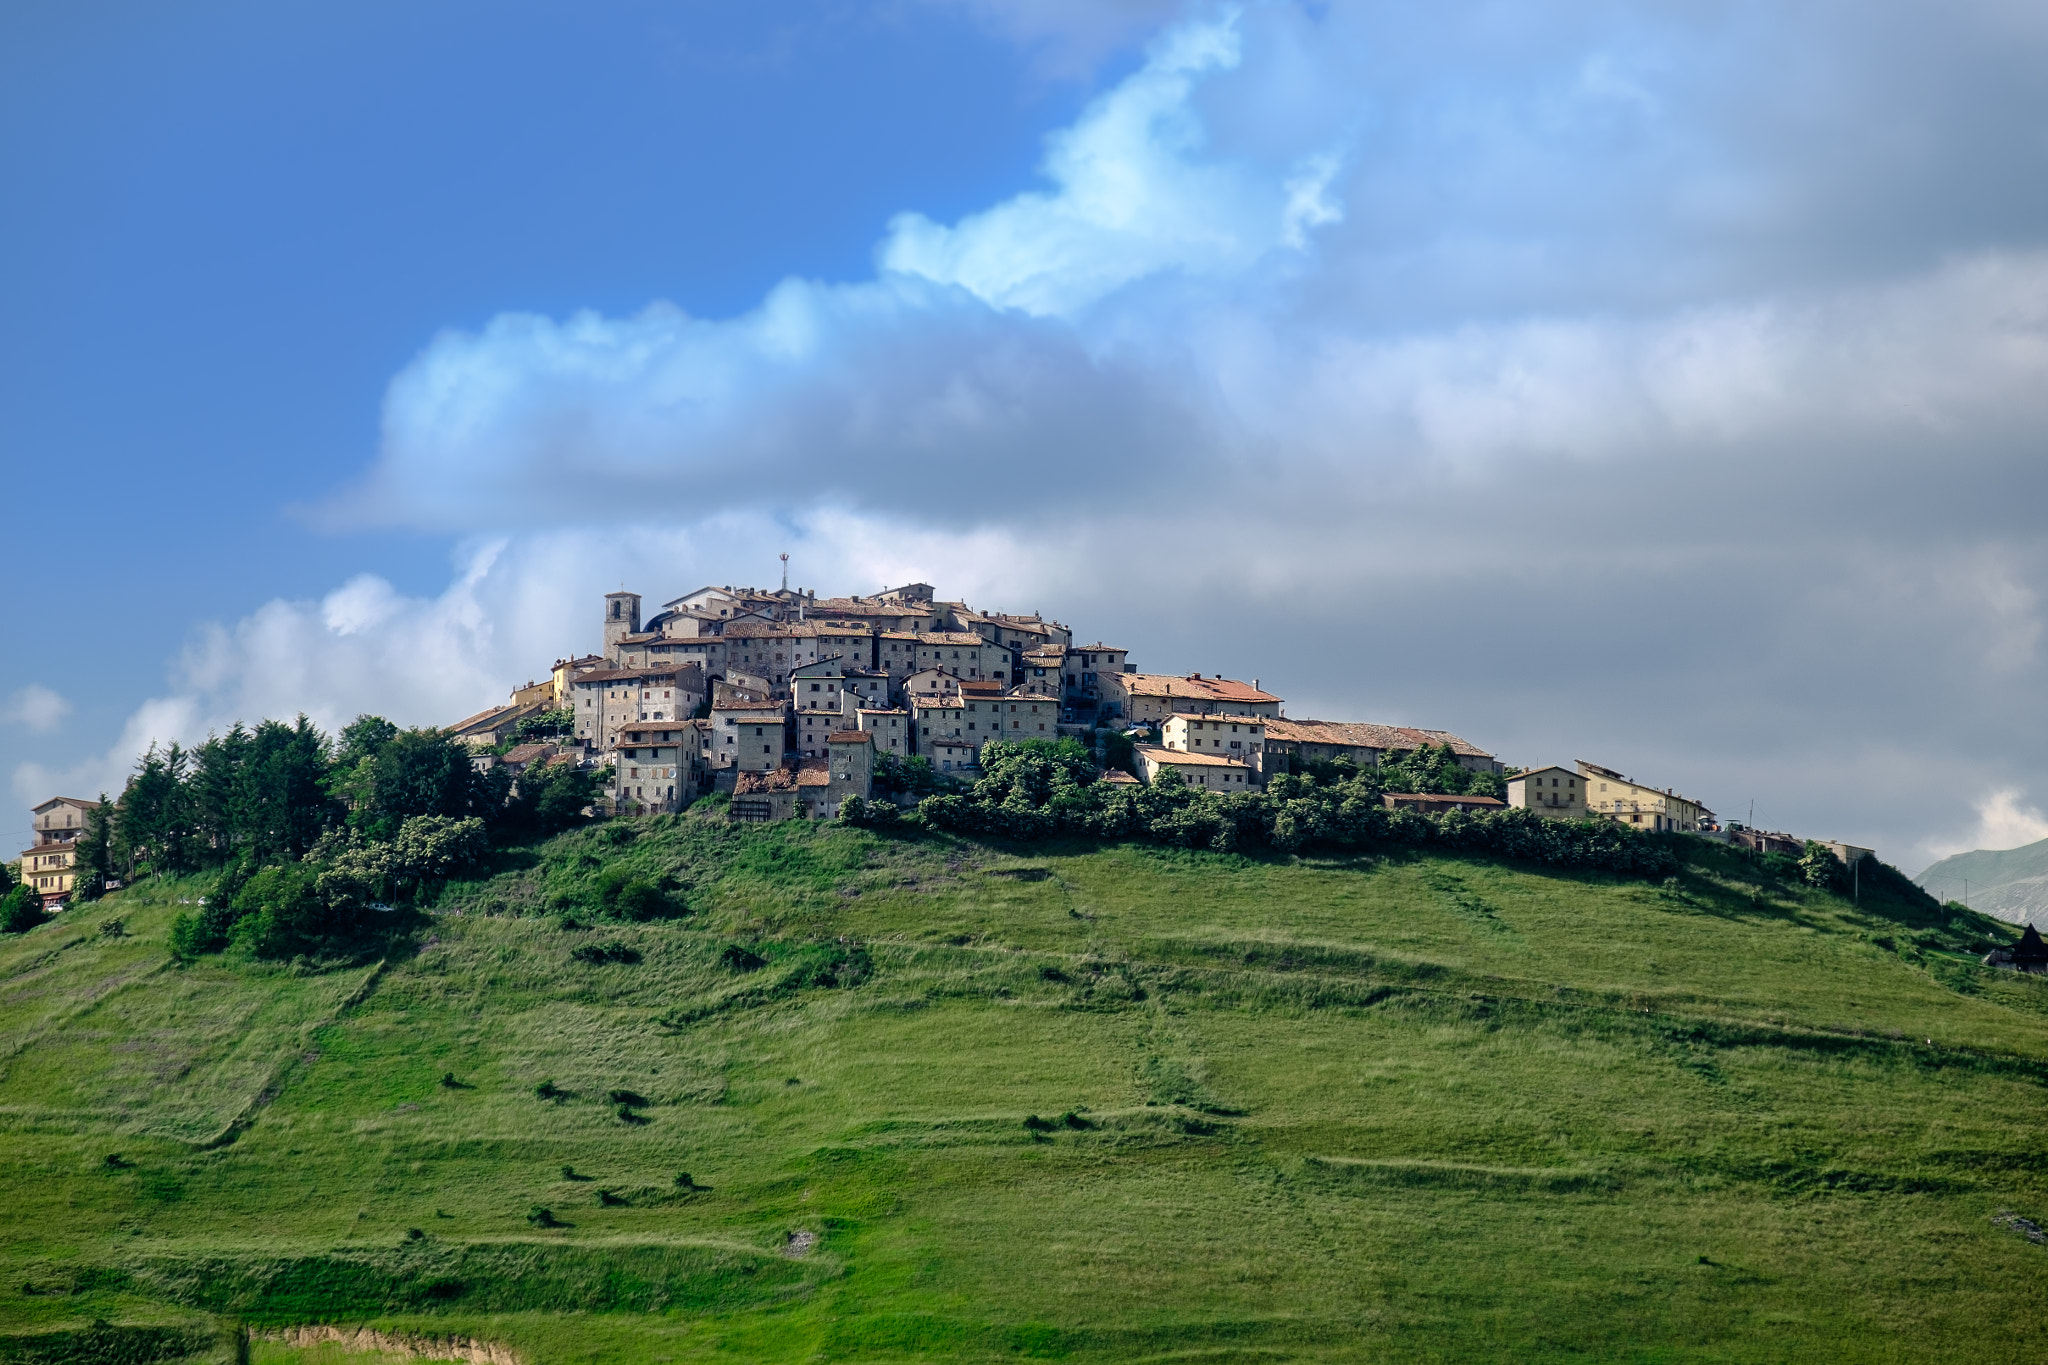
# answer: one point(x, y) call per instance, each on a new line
point(1554, 793)
point(1628, 802)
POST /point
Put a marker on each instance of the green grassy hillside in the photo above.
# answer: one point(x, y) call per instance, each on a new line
point(977, 1103)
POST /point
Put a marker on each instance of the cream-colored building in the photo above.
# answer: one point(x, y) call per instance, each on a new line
point(1211, 772)
point(566, 671)
point(49, 866)
point(1149, 698)
point(1555, 793)
point(1236, 737)
point(1628, 802)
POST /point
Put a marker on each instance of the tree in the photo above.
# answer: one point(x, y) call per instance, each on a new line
point(1819, 867)
point(92, 858)
point(21, 910)
point(896, 775)
point(152, 820)
point(416, 772)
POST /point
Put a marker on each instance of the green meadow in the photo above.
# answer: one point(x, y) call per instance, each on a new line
point(884, 1098)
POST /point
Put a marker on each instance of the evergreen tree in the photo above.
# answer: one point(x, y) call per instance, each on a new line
point(93, 855)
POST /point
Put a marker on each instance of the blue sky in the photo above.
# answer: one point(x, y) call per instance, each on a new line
point(1660, 384)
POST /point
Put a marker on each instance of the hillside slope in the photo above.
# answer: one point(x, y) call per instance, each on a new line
point(943, 1100)
point(2011, 883)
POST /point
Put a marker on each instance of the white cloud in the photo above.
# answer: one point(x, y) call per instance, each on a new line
point(2002, 822)
point(1135, 198)
point(37, 708)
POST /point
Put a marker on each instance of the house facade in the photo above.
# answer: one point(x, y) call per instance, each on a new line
point(1628, 802)
point(49, 865)
point(1556, 793)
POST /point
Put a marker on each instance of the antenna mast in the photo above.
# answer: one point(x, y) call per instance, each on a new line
point(785, 571)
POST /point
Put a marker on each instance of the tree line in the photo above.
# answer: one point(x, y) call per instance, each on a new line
point(1041, 789)
point(312, 836)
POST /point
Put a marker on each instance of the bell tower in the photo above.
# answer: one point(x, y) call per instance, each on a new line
point(621, 618)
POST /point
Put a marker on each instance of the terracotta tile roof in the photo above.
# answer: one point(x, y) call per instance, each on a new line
point(773, 780)
point(1118, 777)
point(491, 717)
point(813, 772)
point(600, 676)
point(849, 737)
point(1183, 759)
point(1365, 735)
point(1192, 688)
point(1435, 799)
point(528, 753)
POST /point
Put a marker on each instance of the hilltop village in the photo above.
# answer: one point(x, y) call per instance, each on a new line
point(791, 703)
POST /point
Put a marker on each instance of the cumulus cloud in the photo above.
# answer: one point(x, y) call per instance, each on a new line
point(2003, 821)
point(1656, 384)
point(36, 708)
point(1134, 198)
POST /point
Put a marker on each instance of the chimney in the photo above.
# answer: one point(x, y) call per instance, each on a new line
point(1256, 687)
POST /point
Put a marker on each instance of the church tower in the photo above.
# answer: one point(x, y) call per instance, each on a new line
point(621, 618)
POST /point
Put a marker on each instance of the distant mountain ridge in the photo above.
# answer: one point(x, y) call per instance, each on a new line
point(2011, 883)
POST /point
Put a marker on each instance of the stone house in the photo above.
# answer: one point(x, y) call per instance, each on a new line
point(489, 727)
point(749, 736)
point(1149, 698)
point(1555, 793)
point(890, 728)
point(1212, 772)
point(927, 684)
point(607, 698)
point(1365, 744)
point(1022, 715)
point(813, 787)
point(652, 766)
point(1082, 672)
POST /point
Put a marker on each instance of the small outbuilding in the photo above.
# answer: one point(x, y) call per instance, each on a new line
point(2029, 955)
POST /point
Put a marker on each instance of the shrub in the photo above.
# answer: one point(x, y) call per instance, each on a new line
point(113, 928)
point(621, 895)
point(542, 1217)
point(610, 1199)
point(597, 954)
point(627, 1098)
point(738, 959)
point(20, 911)
point(548, 1090)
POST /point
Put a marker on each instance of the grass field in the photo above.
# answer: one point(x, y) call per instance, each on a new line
point(1095, 1104)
